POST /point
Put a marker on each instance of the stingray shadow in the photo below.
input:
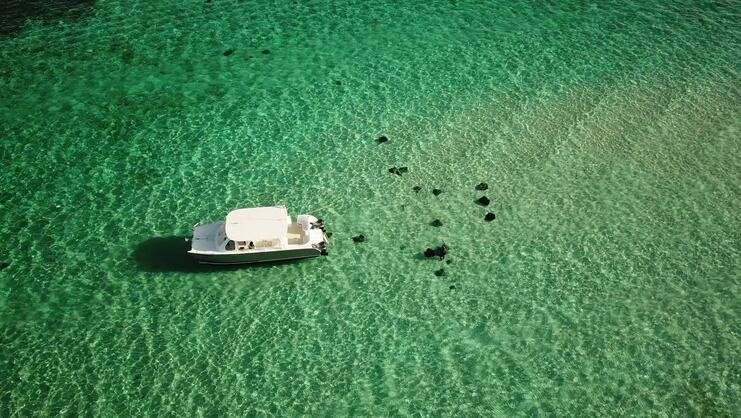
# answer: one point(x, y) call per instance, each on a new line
point(15, 13)
point(170, 254)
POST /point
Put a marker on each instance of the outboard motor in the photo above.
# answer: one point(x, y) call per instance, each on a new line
point(322, 247)
point(318, 224)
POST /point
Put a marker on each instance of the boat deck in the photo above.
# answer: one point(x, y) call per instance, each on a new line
point(294, 234)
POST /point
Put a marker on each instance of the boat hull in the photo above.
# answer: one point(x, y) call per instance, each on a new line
point(256, 257)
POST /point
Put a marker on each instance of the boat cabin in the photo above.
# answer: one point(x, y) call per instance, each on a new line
point(259, 228)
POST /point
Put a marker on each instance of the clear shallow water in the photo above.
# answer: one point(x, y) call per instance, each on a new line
point(608, 134)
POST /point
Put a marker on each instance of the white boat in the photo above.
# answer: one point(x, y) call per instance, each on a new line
point(255, 235)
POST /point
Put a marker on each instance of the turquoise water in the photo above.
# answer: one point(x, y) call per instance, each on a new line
point(608, 134)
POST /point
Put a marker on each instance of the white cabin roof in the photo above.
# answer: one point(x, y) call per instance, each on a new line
point(257, 224)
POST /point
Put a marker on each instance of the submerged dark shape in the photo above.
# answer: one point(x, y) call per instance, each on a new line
point(358, 238)
point(338, 82)
point(440, 272)
point(482, 186)
point(381, 139)
point(441, 251)
point(228, 52)
point(127, 56)
point(448, 261)
point(14, 14)
point(398, 170)
point(436, 192)
point(416, 189)
point(265, 51)
point(4, 265)
point(490, 217)
point(483, 200)
point(452, 287)
point(436, 223)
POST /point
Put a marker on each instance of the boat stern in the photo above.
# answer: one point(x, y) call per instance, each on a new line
point(318, 240)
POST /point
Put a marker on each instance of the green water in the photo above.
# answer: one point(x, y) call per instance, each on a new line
point(608, 134)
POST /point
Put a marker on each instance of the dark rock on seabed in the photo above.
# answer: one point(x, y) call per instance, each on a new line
point(398, 170)
point(490, 217)
point(382, 139)
point(483, 200)
point(440, 252)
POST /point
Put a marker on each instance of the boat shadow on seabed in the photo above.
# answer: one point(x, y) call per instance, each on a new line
point(170, 254)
